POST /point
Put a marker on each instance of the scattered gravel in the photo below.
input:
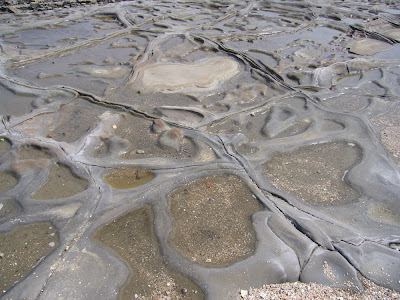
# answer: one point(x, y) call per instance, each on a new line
point(299, 290)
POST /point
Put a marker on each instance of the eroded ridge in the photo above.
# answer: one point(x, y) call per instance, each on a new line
point(212, 220)
point(131, 236)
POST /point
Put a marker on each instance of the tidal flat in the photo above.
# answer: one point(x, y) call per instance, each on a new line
point(199, 149)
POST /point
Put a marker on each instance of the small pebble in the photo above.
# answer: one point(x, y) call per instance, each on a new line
point(184, 291)
point(244, 293)
point(140, 151)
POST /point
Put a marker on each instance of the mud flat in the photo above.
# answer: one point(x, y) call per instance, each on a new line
point(199, 150)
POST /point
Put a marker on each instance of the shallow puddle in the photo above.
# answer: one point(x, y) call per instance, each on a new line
point(75, 120)
point(4, 145)
point(7, 181)
point(131, 236)
point(93, 70)
point(14, 104)
point(315, 173)
point(22, 248)
point(68, 33)
point(212, 220)
point(34, 152)
point(9, 208)
point(128, 178)
point(62, 183)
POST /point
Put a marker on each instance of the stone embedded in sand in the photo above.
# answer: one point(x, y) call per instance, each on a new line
point(315, 173)
point(212, 220)
point(171, 139)
point(368, 46)
point(159, 126)
point(22, 248)
point(196, 77)
point(115, 144)
point(131, 236)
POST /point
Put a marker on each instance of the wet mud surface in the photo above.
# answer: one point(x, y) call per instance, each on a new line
point(316, 173)
point(61, 183)
point(132, 237)
point(194, 149)
point(22, 248)
point(7, 181)
point(212, 223)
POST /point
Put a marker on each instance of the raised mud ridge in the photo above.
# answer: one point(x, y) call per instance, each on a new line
point(190, 150)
